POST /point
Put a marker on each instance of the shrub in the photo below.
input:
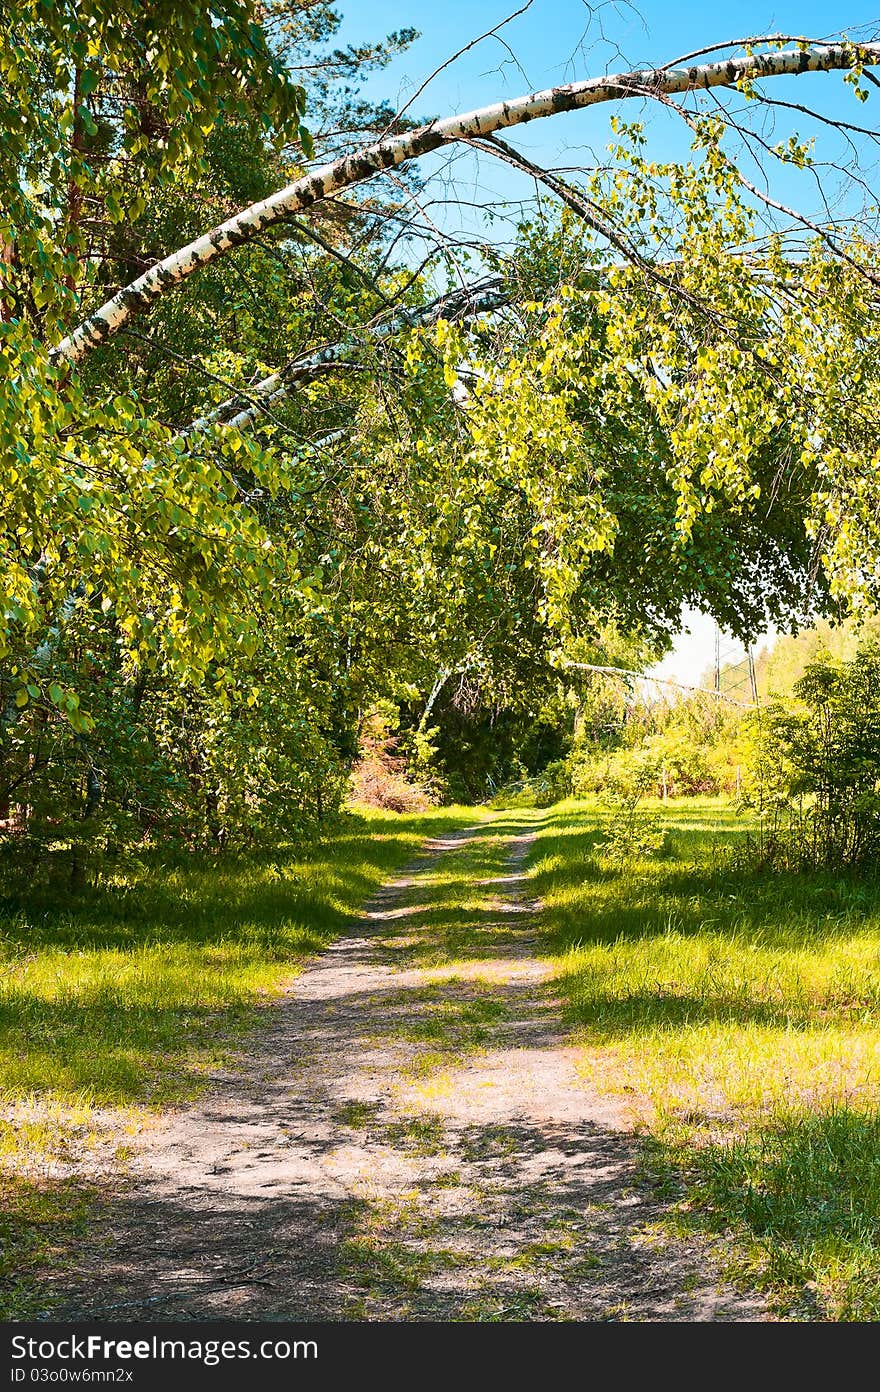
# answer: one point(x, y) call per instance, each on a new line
point(380, 777)
point(631, 832)
point(815, 777)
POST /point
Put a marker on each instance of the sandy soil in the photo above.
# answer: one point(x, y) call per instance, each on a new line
point(401, 1140)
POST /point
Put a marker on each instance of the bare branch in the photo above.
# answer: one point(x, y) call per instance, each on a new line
point(489, 34)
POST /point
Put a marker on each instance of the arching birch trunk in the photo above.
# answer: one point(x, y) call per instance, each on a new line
point(322, 183)
point(483, 297)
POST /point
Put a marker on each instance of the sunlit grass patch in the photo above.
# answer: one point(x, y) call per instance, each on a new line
point(417, 1134)
point(808, 1188)
point(737, 1013)
point(442, 1015)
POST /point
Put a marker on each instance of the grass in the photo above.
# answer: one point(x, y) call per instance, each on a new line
point(124, 998)
point(736, 1012)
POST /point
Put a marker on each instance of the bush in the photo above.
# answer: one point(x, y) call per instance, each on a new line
point(631, 833)
point(815, 776)
point(381, 778)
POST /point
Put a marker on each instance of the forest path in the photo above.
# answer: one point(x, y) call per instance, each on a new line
point(407, 1138)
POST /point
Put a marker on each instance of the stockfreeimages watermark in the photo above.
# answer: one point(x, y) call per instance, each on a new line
point(30, 1355)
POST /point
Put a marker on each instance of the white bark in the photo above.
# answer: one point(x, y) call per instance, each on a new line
point(480, 298)
point(395, 150)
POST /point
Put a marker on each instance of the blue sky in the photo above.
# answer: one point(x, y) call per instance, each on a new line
point(563, 40)
point(546, 37)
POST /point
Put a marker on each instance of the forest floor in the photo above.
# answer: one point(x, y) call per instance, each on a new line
point(409, 1133)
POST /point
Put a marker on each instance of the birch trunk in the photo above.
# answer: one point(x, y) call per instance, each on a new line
point(482, 298)
point(322, 183)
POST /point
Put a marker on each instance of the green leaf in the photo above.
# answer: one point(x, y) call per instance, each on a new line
point(88, 121)
point(308, 144)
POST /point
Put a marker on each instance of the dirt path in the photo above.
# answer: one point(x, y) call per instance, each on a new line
point(408, 1138)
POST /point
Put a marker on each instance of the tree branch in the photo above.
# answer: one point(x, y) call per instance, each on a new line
point(481, 298)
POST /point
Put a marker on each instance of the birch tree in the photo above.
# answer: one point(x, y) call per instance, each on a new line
point(320, 184)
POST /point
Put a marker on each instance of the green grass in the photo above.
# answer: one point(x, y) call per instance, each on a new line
point(123, 998)
point(734, 1013)
point(737, 1014)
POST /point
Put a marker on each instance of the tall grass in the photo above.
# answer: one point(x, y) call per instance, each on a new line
point(737, 1012)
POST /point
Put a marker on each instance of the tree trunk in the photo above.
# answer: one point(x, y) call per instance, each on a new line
point(94, 795)
point(395, 150)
